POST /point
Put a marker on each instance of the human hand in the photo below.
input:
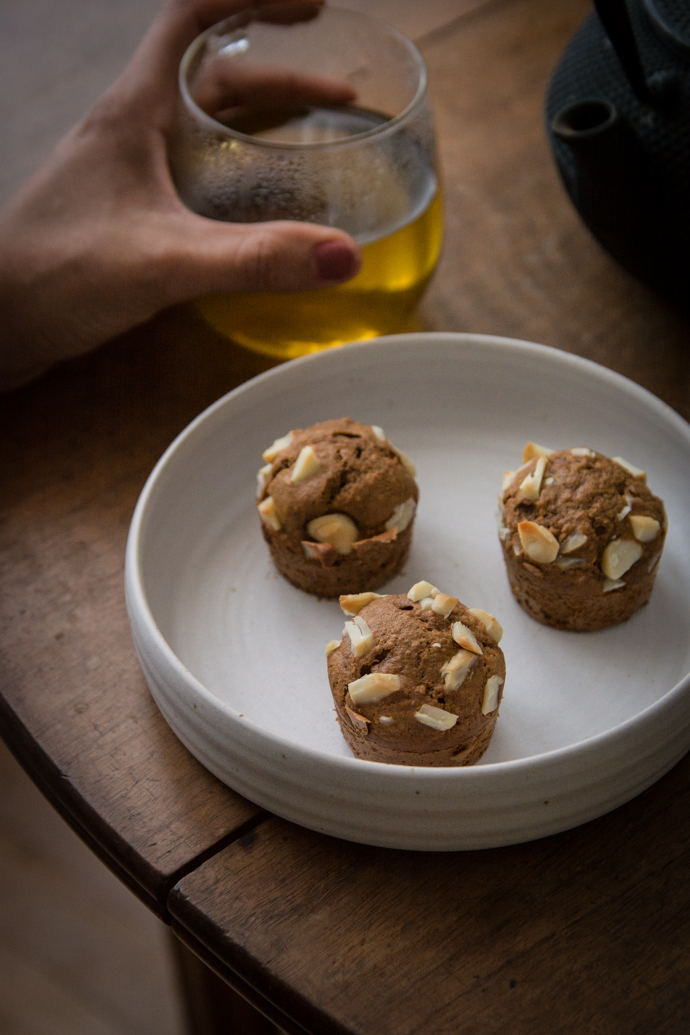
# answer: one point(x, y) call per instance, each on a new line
point(98, 240)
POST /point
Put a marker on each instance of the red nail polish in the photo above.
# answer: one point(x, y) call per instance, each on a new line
point(335, 260)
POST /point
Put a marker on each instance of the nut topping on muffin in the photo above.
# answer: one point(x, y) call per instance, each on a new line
point(361, 636)
point(537, 542)
point(338, 530)
point(269, 514)
point(352, 603)
point(644, 528)
point(575, 526)
point(533, 450)
point(636, 472)
point(418, 699)
point(271, 453)
point(456, 668)
point(531, 486)
point(306, 465)
point(464, 638)
point(343, 507)
point(492, 626)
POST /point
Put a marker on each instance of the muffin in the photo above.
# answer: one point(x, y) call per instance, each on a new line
point(582, 536)
point(417, 678)
point(337, 503)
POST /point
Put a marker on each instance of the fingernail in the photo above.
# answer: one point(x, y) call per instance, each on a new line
point(336, 260)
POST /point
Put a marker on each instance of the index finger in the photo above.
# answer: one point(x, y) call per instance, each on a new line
point(225, 84)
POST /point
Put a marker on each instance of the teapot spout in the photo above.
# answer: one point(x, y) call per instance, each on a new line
point(585, 120)
point(608, 175)
point(592, 157)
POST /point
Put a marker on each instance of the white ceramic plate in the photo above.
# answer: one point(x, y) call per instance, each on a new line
point(234, 655)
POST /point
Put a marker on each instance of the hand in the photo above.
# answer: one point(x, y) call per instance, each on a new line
point(98, 240)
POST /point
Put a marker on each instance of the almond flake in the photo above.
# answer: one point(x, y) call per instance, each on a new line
point(337, 529)
point(269, 514)
point(331, 646)
point(386, 720)
point(501, 505)
point(535, 571)
point(361, 636)
point(636, 472)
point(379, 432)
point(357, 721)
point(654, 562)
point(435, 718)
point(455, 670)
point(492, 626)
point(373, 687)
point(644, 528)
point(582, 451)
point(504, 533)
point(426, 603)
point(271, 453)
point(532, 449)
point(549, 480)
point(537, 542)
point(507, 480)
point(320, 552)
point(306, 465)
point(402, 515)
point(531, 486)
point(443, 604)
point(573, 542)
point(421, 590)
point(464, 637)
point(610, 585)
point(624, 512)
point(490, 701)
point(619, 556)
point(352, 603)
point(262, 477)
point(569, 562)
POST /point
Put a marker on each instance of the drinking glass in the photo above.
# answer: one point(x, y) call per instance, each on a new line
point(367, 167)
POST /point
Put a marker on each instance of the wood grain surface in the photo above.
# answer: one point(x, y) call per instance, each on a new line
point(75, 709)
point(583, 932)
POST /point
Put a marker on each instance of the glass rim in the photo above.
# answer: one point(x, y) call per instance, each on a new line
point(376, 131)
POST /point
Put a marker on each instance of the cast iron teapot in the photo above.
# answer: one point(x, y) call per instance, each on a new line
point(618, 118)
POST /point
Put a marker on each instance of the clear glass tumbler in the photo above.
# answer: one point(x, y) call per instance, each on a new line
point(367, 167)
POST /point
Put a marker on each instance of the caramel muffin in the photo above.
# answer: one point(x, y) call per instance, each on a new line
point(337, 503)
point(582, 536)
point(417, 678)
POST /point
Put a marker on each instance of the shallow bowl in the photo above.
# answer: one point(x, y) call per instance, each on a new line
point(234, 655)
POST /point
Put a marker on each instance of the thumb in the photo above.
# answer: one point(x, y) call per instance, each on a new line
point(276, 256)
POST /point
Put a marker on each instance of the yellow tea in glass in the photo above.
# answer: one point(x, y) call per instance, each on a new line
point(367, 167)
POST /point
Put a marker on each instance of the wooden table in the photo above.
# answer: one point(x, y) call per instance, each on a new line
point(587, 931)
